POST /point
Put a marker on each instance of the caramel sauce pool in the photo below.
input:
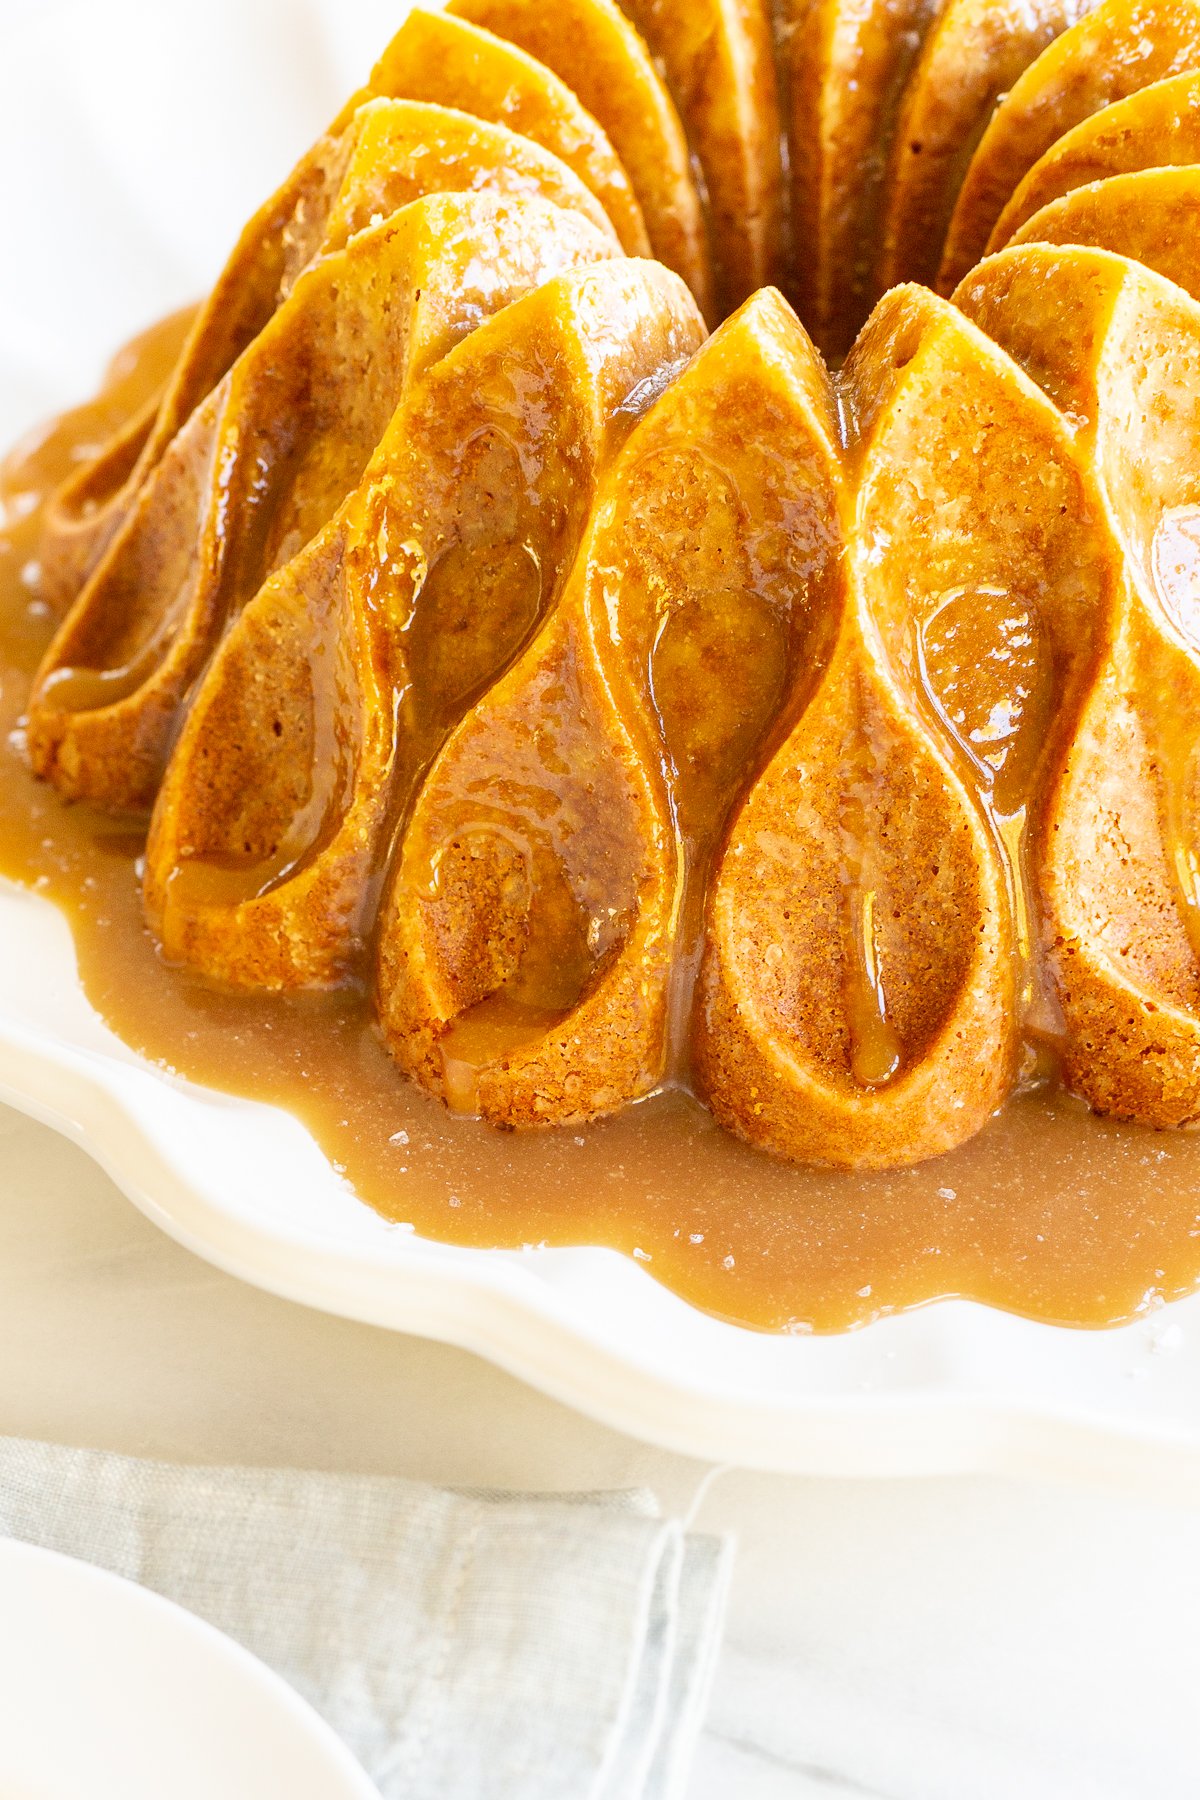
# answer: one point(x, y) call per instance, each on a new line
point(1049, 1211)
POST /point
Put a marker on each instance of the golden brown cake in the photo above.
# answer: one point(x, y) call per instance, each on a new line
point(549, 890)
point(264, 462)
point(340, 679)
point(628, 706)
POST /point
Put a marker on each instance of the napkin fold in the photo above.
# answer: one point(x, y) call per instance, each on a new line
point(466, 1646)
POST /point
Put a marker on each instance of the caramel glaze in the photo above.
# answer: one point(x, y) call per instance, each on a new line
point(1049, 1211)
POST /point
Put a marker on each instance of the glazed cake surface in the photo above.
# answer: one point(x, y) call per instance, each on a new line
point(511, 602)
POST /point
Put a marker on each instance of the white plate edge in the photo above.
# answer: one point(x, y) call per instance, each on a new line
point(477, 1303)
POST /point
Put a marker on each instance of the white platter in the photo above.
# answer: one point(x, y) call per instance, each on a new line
point(951, 1387)
point(142, 150)
point(110, 1691)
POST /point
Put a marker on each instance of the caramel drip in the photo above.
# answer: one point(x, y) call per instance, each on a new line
point(876, 1052)
point(471, 612)
point(228, 880)
point(717, 676)
point(77, 689)
point(556, 963)
point(1175, 572)
point(445, 629)
point(988, 678)
point(493, 1028)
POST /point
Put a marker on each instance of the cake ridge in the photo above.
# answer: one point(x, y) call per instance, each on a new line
point(596, 52)
point(263, 462)
point(1121, 46)
point(603, 700)
point(418, 529)
point(1157, 126)
point(429, 53)
point(1128, 897)
point(626, 705)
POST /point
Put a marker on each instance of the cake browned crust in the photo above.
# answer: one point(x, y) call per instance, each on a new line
point(624, 705)
point(339, 681)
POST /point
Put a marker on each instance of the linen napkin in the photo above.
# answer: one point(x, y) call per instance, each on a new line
point(466, 1646)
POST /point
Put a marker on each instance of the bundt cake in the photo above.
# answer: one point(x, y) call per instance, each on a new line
point(803, 712)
